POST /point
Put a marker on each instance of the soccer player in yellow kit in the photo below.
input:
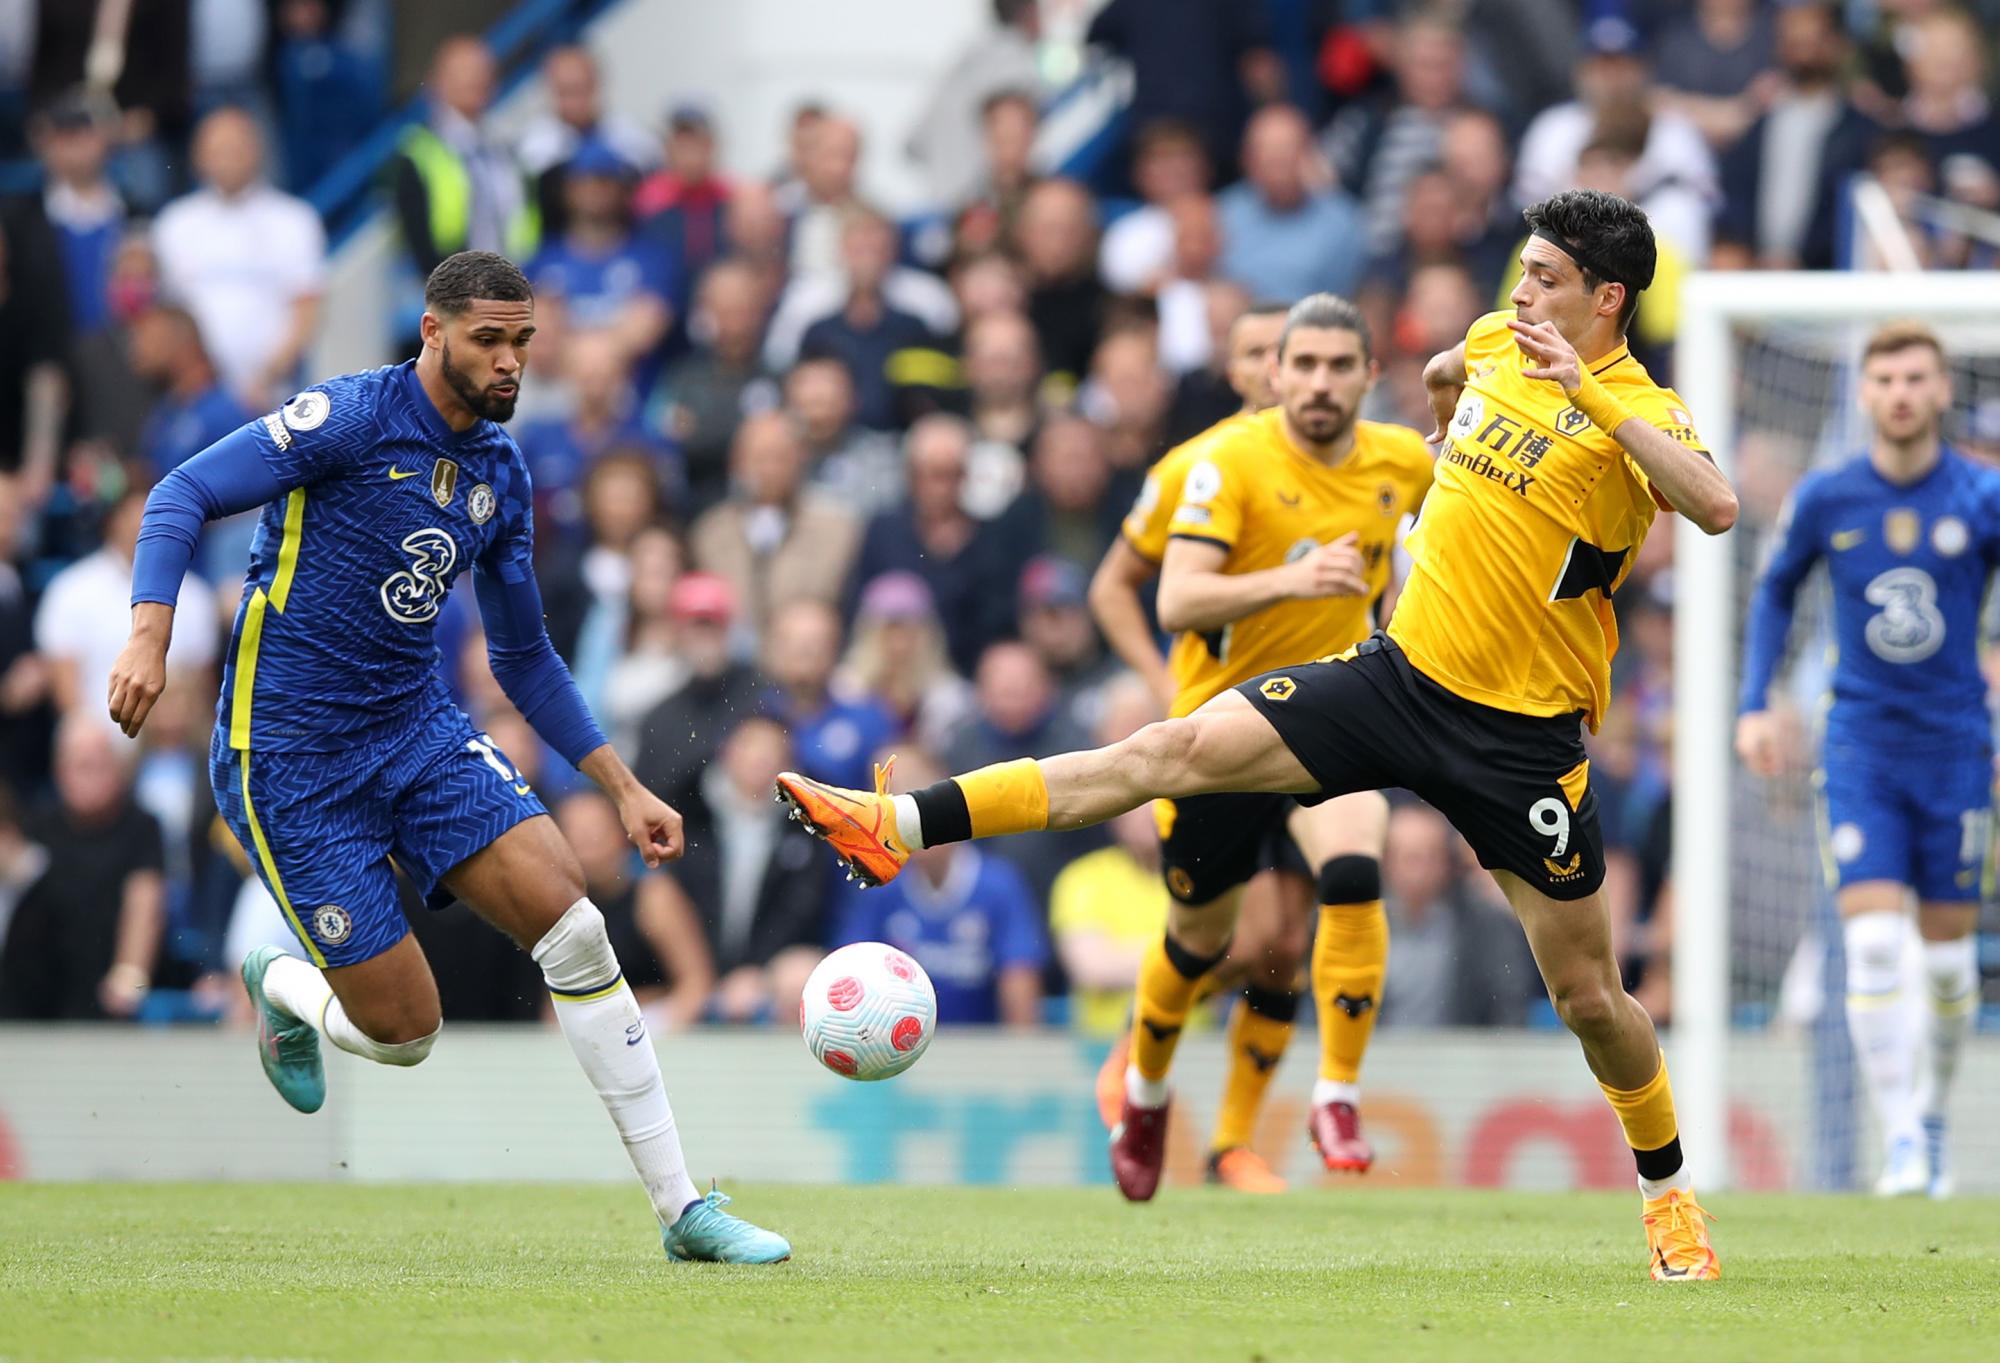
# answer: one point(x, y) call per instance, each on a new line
point(1275, 531)
point(1557, 450)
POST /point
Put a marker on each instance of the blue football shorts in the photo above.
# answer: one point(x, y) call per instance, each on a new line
point(1922, 822)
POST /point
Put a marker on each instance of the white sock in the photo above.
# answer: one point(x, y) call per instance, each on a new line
point(1952, 968)
point(1650, 1188)
point(1143, 1092)
point(910, 822)
point(302, 991)
point(601, 1019)
point(1335, 1091)
point(1885, 1041)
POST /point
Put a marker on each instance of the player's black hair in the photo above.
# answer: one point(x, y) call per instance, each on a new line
point(1608, 237)
point(469, 275)
point(1267, 307)
point(1330, 311)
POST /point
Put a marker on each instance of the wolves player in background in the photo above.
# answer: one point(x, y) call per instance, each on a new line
point(1272, 919)
point(1557, 450)
point(1910, 532)
point(337, 746)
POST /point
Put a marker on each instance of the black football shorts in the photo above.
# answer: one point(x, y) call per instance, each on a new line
point(1517, 786)
point(1210, 844)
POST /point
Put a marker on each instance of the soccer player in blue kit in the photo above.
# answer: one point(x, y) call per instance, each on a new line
point(338, 748)
point(1910, 533)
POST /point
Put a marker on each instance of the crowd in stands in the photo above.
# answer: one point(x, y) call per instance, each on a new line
point(815, 484)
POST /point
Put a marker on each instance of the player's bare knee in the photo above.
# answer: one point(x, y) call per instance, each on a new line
point(1590, 1009)
point(1162, 753)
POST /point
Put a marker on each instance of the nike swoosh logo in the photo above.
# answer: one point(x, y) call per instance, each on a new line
point(523, 790)
point(1288, 500)
point(394, 474)
point(1847, 539)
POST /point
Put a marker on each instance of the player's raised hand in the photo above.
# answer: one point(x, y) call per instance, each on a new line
point(653, 825)
point(1555, 358)
point(1760, 743)
point(1334, 569)
point(140, 673)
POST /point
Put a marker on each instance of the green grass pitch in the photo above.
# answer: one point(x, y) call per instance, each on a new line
point(250, 1271)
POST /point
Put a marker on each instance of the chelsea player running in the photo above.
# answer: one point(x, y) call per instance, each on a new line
point(337, 746)
point(1910, 532)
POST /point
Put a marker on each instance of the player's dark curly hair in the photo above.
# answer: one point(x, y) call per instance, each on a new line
point(1608, 237)
point(1331, 311)
point(460, 279)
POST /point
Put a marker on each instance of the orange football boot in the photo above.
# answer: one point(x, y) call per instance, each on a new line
point(1677, 1235)
point(1111, 1079)
point(859, 826)
point(1245, 1170)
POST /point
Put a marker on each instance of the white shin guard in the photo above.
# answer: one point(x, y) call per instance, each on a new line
point(1952, 970)
point(1885, 1041)
point(601, 1018)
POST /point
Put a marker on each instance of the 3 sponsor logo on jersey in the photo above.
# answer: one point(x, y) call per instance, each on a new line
point(415, 595)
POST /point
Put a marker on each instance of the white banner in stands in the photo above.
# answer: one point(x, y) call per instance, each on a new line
point(1469, 1109)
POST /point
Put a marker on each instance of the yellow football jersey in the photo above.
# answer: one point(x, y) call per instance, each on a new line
point(1247, 488)
point(1145, 527)
point(1534, 523)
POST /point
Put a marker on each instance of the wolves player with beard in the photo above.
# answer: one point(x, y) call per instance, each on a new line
point(337, 747)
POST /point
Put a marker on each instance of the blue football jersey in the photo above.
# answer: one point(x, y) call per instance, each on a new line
point(1909, 567)
point(385, 506)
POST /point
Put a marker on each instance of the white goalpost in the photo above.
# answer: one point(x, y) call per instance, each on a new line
point(1765, 361)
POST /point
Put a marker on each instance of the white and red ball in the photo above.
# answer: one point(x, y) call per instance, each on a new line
point(868, 1011)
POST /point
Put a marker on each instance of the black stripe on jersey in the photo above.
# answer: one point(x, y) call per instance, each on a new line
point(1201, 539)
point(1587, 567)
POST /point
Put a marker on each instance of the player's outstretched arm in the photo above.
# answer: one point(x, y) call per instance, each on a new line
point(1759, 736)
point(1121, 615)
point(227, 477)
point(1690, 481)
point(1195, 594)
point(1444, 380)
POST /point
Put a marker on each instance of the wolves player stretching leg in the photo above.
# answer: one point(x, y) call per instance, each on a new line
point(337, 746)
point(1557, 448)
point(1910, 532)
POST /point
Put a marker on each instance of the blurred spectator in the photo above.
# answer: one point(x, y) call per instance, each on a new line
point(898, 657)
point(963, 562)
point(1109, 906)
point(1442, 302)
point(24, 674)
point(1612, 81)
point(867, 334)
point(85, 938)
point(986, 216)
point(1057, 624)
point(684, 206)
point(88, 215)
point(774, 540)
point(228, 40)
point(1003, 382)
point(599, 275)
point(759, 237)
point(603, 416)
point(1460, 959)
point(1206, 395)
point(1182, 296)
point(1018, 716)
point(945, 139)
point(679, 736)
point(1065, 509)
point(21, 864)
point(710, 390)
point(621, 497)
point(860, 469)
point(1168, 164)
point(1128, 396)
point(84, 616)
point(818, 202)
point(34, 339)
point(79, 40)
point(1056, 236)
point(194, 409)
point(868, 241)
point(1377, 145)
point(1782, 179)
point(1202, 61)
point(965, 915)
point(833, 738)
point(626, 658)
point(1947, 105)
point(576, 118)
point(1428, 237)
point(1475, 156)
point(788, 180)
point(329, 95)
point(111, 404)
point(1715, 62)
point(248, 260)
point(756, 880)
point(1282, 236)
point(658, 939)
point(456, 186)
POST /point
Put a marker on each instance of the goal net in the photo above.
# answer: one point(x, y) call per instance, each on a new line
point(1762, 1067)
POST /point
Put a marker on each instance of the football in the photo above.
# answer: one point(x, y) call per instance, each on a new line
point(868, 1011)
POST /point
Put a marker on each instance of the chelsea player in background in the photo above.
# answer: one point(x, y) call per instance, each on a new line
point(337, 746)
point(1910, 532)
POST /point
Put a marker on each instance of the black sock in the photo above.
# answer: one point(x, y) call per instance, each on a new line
point(943, 811)
point(1662, 1163)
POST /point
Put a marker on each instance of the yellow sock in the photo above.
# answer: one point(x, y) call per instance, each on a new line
point(1259, 1030)
point(1647, 1114)
point(1350, 957)
point(1007, 797)
point(1168, 977)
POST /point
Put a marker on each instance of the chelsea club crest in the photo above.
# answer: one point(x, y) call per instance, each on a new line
point(479, 504)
